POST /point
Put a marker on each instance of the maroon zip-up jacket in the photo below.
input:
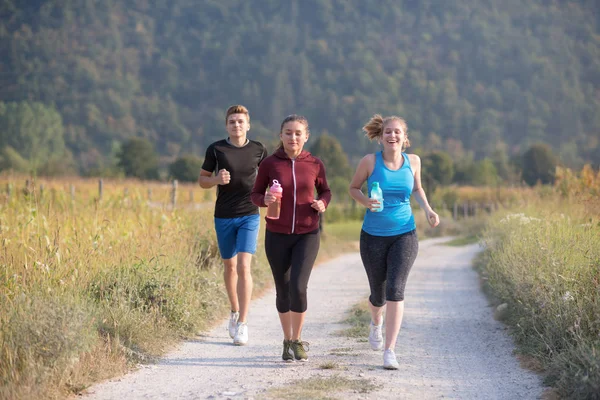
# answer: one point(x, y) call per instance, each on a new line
point(298, 178)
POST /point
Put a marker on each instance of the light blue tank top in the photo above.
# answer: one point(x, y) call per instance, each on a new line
point(396, 217)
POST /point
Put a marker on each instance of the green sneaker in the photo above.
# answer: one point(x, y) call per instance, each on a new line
point(287, 356)
point(299, 348)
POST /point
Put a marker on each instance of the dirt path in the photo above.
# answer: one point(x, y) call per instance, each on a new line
point(449, 346)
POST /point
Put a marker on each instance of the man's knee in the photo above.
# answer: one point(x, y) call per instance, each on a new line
point(230, 265)
point(243, 264)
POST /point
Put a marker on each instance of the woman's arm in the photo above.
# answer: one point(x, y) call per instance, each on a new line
point(364, 169)
point(261, 183)
point(419, 192)
point(323, 191)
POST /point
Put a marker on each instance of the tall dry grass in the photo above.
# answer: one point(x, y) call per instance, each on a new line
point(88, 286)
point(543, 261)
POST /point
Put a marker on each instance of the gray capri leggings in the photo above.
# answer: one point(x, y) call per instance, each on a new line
point(388, 260)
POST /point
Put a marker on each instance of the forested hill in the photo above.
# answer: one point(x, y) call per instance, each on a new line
point(470, 76)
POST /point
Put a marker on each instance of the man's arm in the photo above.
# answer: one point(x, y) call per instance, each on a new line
point(206, 180)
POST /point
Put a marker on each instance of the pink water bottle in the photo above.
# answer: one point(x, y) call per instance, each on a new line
point(275, 207)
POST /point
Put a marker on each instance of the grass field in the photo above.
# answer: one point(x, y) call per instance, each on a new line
point(91, 285)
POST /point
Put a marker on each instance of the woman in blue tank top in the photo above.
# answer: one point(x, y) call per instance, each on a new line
point(388, 240)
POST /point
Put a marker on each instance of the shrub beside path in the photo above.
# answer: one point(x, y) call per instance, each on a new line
point(449, 346)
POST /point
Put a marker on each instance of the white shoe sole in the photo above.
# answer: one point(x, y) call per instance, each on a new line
point(377, 347)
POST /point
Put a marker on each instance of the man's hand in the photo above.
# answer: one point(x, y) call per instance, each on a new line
point(223, 177)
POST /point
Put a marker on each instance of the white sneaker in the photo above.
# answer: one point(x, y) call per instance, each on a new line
point(241, 335)
point(233, 319)
point(389, 360)
point(375, 336)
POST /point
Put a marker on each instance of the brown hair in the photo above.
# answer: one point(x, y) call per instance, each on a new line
point(374, 128)
point(292, 118)
point(237, 109)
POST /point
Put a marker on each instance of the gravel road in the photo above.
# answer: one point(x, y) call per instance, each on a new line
point(449, 345)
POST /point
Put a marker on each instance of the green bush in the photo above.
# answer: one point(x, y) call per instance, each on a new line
point(186, 168)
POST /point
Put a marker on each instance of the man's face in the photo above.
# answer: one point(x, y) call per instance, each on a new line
point(237, 125)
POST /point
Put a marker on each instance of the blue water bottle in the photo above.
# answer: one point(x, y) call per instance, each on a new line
point(377, 194)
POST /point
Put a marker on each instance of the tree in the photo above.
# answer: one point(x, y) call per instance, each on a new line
point(186, 168)
point(437, 169)
point(330, 151)
point(484, 173)
point(33, 131)
point(539, 165)
point(12, 160)
point(138, 159)
point(477, 173)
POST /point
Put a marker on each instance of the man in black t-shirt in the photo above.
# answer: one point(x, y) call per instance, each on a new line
point(232, 164)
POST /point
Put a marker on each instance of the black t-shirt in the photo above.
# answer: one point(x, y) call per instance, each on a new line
point(233, 199)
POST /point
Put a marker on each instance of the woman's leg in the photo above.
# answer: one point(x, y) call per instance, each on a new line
point(304, 254)
point(373, 252)
point(286, 325)
point(278, 251)
point(393, 320)
point(400, 259)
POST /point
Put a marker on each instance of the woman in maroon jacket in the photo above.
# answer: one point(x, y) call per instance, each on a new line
point(292, 241)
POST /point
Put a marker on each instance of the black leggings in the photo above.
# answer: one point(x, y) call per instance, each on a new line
point(291, 258)
point(388, 260)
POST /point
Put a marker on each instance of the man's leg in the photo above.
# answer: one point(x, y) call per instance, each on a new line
point(246, 239)
point(226, 238)
point(244, 285)
point(230, 276)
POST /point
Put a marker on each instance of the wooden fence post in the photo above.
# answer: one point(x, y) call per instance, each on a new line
point(149, 194)
point(100, 189)
point(72, 193)
point(455, 211)
point(174, 194)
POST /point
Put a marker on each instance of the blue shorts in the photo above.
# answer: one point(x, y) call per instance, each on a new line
point(237, 235)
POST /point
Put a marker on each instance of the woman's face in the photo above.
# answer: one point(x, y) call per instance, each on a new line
point(393, 136)
point(293, 136)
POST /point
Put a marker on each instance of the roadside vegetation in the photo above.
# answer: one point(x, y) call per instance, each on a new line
point(542, 263)
point(90, 286)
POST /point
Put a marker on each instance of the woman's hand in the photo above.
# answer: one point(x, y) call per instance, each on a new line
point(373, 205)
point(318, 205)
point(432, 218)
point(270, 198)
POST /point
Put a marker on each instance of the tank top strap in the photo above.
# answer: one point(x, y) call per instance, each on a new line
point(407, 161)
point(378, 160)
